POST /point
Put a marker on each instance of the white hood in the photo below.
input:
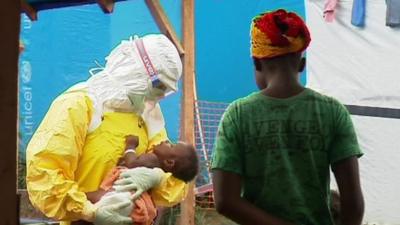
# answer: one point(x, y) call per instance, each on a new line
point(125, 75)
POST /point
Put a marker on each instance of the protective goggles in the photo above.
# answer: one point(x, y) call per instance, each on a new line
point(151, 71)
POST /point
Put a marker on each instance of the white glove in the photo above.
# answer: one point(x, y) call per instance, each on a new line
point(138, 179)
point(114, 209)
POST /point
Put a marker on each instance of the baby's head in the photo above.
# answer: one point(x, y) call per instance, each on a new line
point(179, 159)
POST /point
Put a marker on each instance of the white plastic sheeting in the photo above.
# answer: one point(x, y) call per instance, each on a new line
point(361, 66)
point(380, 168)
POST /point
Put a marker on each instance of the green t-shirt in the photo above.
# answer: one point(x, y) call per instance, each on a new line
point(283, 149)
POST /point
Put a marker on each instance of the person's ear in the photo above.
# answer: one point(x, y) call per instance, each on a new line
point(302, 64)
point(169, 163)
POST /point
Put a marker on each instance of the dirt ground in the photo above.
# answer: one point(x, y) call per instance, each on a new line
point(202, 217)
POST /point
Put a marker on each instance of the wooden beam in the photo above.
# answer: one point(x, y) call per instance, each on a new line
point(164, 24)
point(9, 29)
point(29, 10)
point(187, 125)
point(106, 5)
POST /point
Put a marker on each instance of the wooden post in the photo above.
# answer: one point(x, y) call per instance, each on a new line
point(163, 23)
point(106, 5)
point(187, 122)
point(29, 10)
point(9, 45)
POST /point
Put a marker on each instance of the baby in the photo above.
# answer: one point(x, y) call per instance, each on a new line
point(178, 159)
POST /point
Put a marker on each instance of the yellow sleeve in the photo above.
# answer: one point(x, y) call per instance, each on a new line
point(52, 158)
point(158, 138)
point(171, 191)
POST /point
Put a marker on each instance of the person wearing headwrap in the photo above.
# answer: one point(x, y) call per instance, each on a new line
point(275, 147)
point(278, 33)
point(82, 136)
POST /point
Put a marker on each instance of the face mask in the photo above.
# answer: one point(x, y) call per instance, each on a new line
point(138, 103)
point(151, 97)
point(154, 94)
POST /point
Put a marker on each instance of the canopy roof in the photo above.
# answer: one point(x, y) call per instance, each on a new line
point(30, 7)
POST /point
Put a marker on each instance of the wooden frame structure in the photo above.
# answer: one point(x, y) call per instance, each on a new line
point(10, 27)
point(9, 45)
point(187, 124)
point(31, 9)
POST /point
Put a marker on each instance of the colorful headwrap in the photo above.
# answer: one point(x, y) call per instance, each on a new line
point(278, 33)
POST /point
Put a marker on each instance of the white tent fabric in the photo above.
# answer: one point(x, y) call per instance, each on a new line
point(380, 168)
point(361, 66)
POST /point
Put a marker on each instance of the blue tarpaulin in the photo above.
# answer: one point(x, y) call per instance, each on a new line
point(65, 43)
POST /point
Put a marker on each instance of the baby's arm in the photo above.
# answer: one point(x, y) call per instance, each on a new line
point(131, 160)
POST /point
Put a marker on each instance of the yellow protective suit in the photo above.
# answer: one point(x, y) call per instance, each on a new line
point(64, 161)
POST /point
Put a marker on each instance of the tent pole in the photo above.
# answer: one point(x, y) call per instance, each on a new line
point(106, 5)
point(187, 122)
point(29, 10)
point(163, 23)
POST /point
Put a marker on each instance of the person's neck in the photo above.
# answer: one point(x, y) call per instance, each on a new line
point(284, 86)
point(161, 164)
point(152, 159)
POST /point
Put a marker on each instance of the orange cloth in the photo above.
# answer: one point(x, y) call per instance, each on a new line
point(278, 33)
point(145, 210)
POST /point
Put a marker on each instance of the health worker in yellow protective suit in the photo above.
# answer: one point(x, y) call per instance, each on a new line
point(82, 135)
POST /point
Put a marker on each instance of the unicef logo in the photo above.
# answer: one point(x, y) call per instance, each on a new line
point(26, 72)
